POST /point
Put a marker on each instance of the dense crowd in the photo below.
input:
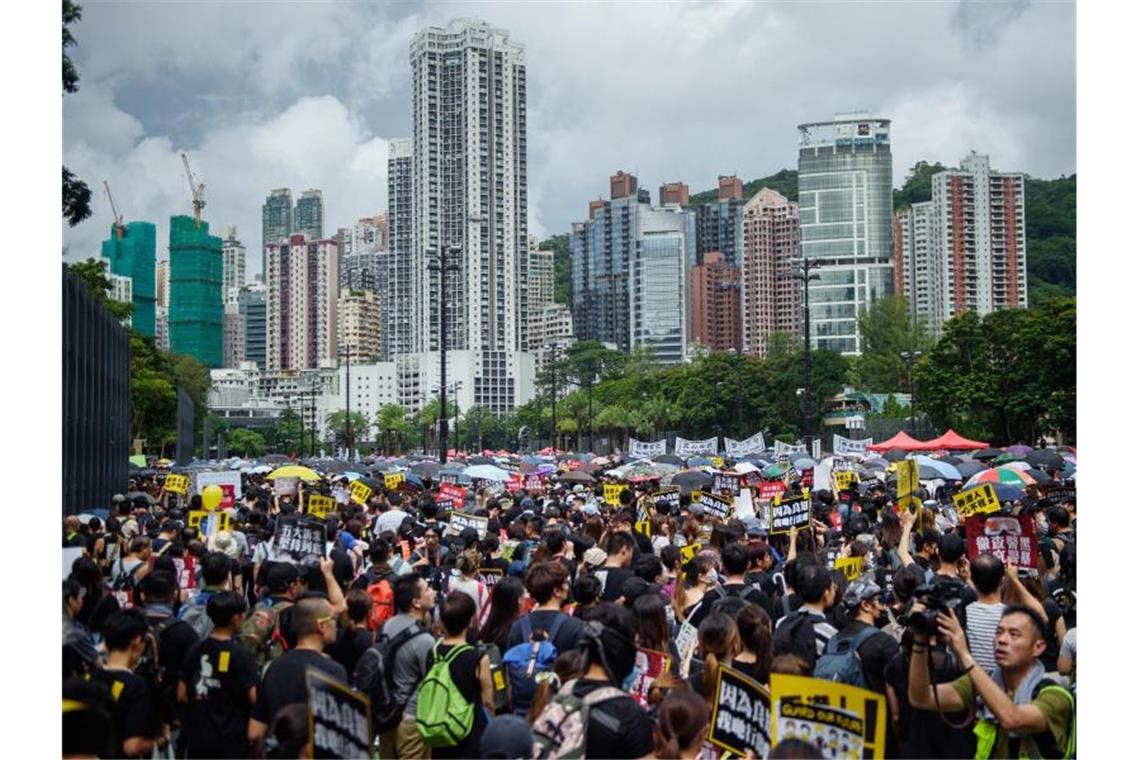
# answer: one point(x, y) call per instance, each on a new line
point(553, 623)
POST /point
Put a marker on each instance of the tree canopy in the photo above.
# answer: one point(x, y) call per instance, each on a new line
point(76, 194)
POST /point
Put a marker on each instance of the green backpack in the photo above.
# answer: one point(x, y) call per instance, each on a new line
point(443, 716)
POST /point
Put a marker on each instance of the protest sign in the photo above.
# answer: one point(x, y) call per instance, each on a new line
point(832, 555)
point(1011, 539)
point(834, 732)
point(787, 449)
point(648, 665)
point(340, 719)
point(770, 489)
point(844, 479)
point(723, 481)
point(740, 715)
point(790, 513)
point(742, 505)
point(321, 506)
point(176, 483)
point(862, 709)
point(70, 554)
point(448, 477)
point(686, 641)
point(907, 471)
point(807, 477)
point(841, 445)
point(194, 519)
point(359, 492)
point(392, 480)
point(229, 482)
point(460, 521)
point(285, 486)
point(452, 494)
point(534, 482)
point(491, 575)
point(670, 495)
point(514, 482)
point(184, 568)
point(611, 493)
point(717, 506)
point(851, 567)
point(690, 551)
point(706, 534)
point(299, 542)
point(642, 450)
point(213, 523)
point(644, 527)
point(979, 500)
point(686, 448)
point(736, 449)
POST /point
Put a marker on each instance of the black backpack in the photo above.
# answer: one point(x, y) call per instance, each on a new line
point(375, 676)
point(796, 635)
point(730, 602)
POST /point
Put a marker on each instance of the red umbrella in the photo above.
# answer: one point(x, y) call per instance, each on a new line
point(900, 441)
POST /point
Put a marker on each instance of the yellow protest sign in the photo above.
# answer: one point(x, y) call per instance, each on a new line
point(859, 710)
point(851, 567)
point(393, 480)
point(643, 527)
point(202, 524)
point(177, 483)
point(908, 478)
point(321, 506)
point(718, 462)
point(194, 519)
point(611, 493)
point(359, 492)
point(979, 500)
point(844, 479)
point(690, 551)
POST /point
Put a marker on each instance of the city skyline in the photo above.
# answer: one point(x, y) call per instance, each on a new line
point(305, 121)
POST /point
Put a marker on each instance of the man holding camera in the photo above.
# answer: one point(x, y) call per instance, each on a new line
point(1022, 714)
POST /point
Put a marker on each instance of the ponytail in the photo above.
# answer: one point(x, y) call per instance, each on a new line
point(708, 676)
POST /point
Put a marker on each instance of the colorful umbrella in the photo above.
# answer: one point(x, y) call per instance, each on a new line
point(1008, 475)
point(293, 471)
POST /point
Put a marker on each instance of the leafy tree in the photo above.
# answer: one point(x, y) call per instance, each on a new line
point(76, 194)
point(246, 443)
point(93, 273)
point(889, 334)
point(289, 435)
point(917, 188)
point(560, 244)
point(786, 182)
point(360, 428)
point(392, 423)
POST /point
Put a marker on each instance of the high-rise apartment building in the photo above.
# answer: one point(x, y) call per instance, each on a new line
point(132, 256)
point(161, 329)
point(978, 239)
point(469, 199)
point(233, 262)
point(918, 277)
point(195, 314)
point(540, 294)
point(161, 285)
point(399, 276)
point(302, 288)
point(718, 223)
point(309, 216)
point(673, 194)
point(233, 330)
point(359, 325)
point(845, 207)
point(276, 221)
point(251, 306)
point(552, 333)
point(714, 303)
point(770, 299)
point(363, 254)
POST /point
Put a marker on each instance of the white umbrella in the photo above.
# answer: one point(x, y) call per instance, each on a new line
point(947, 471)
point(487, 472)
point(743, 468)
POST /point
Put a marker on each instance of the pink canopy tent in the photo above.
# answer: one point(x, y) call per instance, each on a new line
point(951, 441)
point(900, 441)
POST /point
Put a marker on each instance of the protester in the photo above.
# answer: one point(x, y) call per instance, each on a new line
point(411, 642)
point(682, 725)
point(134, 711)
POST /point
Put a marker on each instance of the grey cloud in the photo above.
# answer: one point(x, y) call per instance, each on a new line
point(981, 23)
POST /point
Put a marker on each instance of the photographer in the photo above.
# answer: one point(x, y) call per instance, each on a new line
point(1035, 722)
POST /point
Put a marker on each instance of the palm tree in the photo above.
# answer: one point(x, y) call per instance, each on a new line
point(392, 422)
point(662, 413)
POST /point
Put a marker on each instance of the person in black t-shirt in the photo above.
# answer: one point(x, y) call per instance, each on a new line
point(217, 685)
point(284, 683)
point(616, 570)
point(470, 670)
point(134, 713)
point(157, 592)
point(735, 558)
point(864, 602)
point(354, 638)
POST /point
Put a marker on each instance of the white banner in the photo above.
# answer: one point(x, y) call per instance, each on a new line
point(641, 449)
point(789, 449)
point(841, 445)
point(686, 448)
point(736, 449)
point(229, 482)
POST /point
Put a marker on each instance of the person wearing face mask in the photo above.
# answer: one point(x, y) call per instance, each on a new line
point(864, 602)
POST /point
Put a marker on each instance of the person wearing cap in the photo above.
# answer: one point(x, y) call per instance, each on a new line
point(507, 737)
point(863, 601)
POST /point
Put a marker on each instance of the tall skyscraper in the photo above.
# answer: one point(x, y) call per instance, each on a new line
point(302, 287)
point(469, 182)
point(718, 223)
point(195, 315)
point(400, 275)
point(540, 294)
point(251, 306)
point(162, 284)
point(659, 279)
point(918, 277)
point(233, 330)
point(714, 303)
point(132, 255)
point(978, 239)
point(233, 262)
point(771, 301)
point(359, 325)
point(276, 221)
point(309, 217)
point(363, 254)
point(845, 209)
point(161, 328)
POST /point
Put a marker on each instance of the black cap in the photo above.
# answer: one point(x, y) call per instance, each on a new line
point(280, 576)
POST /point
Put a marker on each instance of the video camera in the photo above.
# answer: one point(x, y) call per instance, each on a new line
point(935, 597)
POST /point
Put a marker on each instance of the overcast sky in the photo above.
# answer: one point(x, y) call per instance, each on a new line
point(265, 95)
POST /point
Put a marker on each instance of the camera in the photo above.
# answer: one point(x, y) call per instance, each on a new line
point(936, 598)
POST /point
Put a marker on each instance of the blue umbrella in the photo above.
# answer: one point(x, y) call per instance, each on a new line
point(1005, 492)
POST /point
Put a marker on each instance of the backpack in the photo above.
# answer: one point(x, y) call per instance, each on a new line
point(526, 662)
point(560, 730)
point(124, 580)
point(375, 676)
point(501, 695)
point(443, 717)
point(195, 614)
point(1044, 740)
point(148, 665)
point(730, 602)
point(261, 633)
point(383, 603)
point(840, 661)
point(796, 635)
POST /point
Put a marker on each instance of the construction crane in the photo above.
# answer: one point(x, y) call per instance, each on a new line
point(120, 230)
point(197, 189)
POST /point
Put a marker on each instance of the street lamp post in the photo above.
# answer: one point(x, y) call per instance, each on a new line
point(910, 357)
point(801, 270)
point(553, 401)
point(441, 265)
point(347, 401)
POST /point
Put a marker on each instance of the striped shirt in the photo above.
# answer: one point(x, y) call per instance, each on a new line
point(981, 625)
point(823, 630)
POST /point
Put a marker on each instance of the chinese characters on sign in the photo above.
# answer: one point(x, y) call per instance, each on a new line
point(741, 713)
point(299, 542)
point(979, 500)
point(786, 514)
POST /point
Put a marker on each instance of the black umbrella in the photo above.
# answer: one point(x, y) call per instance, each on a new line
point(692, 479)
point(336, 466)
point(895, 455)
point(988, 454)
point(950, 460)
point(576, 476)
point(1044, 459)
point(275, 459)
point(969, 469)
point(479, 460)
point(669, 459)
point(372, 483)
point(1041, 477)
point(426, 469)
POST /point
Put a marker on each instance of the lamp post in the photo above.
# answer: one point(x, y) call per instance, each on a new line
point(347, 401)
point(910, 357)
point(553, 400)
point(441, 265)
point(801, 271)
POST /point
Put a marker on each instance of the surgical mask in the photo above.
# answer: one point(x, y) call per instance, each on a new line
point(711, 577)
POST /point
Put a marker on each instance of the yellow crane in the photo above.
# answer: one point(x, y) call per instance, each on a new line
point(197, 189)
point(120, 230)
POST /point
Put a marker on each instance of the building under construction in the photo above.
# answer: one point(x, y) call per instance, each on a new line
point(195, 316)
point(132, 255)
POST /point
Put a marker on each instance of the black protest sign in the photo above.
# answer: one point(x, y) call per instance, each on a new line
point(340, 720)
point(786, 514)
point(296, 542)
point(726, 482)
point(460, 521)
point(448, 477)
point(717, 506)
point(670, 495)
point(741, 714)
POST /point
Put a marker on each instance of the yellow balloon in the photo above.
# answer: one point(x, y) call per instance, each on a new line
point(211, 497)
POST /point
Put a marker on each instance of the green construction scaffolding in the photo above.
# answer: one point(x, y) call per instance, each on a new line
point(195, 316)
point(132, 255)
